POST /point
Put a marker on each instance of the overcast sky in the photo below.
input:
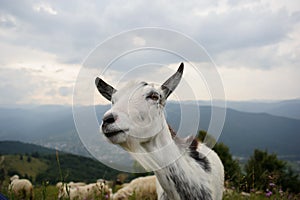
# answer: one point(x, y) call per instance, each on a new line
point(254, 44)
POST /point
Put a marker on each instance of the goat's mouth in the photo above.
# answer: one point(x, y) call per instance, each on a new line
point(111, 133)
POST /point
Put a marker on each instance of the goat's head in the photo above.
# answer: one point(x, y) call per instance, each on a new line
point(137, 112)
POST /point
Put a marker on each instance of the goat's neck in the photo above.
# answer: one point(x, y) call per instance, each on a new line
point(173, 167)
point(158, 152)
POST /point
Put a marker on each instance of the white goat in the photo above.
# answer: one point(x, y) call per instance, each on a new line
point(185, 169)
point(140, 188)
point(20, 188)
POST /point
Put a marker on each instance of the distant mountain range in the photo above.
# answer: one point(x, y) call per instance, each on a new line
point(286, 108)
point(272, 126)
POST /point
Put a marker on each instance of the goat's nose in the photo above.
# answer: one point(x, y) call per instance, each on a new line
point(109, 119)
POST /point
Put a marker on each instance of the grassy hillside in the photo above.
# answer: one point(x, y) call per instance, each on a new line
point(41, 164)
point(75, 168)
point(47, 168)
point(25, 166)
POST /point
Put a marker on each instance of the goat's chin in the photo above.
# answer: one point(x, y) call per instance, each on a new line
point(118, 139)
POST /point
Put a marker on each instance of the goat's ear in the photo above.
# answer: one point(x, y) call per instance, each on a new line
point(169, 86)
point(104, 88)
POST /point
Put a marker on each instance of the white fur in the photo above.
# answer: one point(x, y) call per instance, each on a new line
point(147, 137)
point(20, 188)
point(63, 187)
point(140, 188)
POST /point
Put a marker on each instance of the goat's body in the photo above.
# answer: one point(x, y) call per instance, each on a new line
point(183, 171)
point(190, 178)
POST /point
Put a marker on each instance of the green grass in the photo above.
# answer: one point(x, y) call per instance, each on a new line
point(252, 196)
point(49, 192)
point(23, 167)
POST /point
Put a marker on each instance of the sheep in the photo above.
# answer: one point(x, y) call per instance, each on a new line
point(64, 188)
point(70, 184)
point(140, 188)
point(20, 188)
point(184, 167)
point(83, 191)
point(73, 185)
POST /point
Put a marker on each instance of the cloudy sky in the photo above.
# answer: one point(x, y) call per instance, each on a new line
point(254, 44)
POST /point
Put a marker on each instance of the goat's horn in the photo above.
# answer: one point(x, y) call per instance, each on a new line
point(169, 86)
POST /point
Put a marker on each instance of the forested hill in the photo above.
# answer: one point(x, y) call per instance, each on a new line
point(42, 164)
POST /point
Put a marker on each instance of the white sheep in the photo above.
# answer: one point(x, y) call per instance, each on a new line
point(80, 191)
point(140, 188)
point(64, 188)
point(20, 188)
point(70, 184)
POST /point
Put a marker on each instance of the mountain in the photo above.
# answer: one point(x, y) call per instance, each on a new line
point(53, 126)
point(286, 108)
point(243, 132)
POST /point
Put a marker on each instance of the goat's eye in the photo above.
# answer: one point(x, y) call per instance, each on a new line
point(153, 96)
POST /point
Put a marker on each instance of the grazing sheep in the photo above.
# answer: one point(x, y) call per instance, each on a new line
point(70, 184)
point(140, 188)
point(20, 188)
point(83, 191)
point(73, 185)
point(185, 168)
point(64, 188)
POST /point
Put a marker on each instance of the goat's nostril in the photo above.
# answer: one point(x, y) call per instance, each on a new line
point(109, 119)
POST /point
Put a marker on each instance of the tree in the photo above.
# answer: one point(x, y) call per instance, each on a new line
point(263, 170)
point(260, 168)
point(233, 174)
point(207, 138)
point(2, 171)
point(35, 154)
point(28, 159)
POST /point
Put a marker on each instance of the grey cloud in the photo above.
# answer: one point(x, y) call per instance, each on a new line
point(7, 21)
point(69, 34)
point(79, 27)
point(243, 29)
point(236, 36)
point(23, 86)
